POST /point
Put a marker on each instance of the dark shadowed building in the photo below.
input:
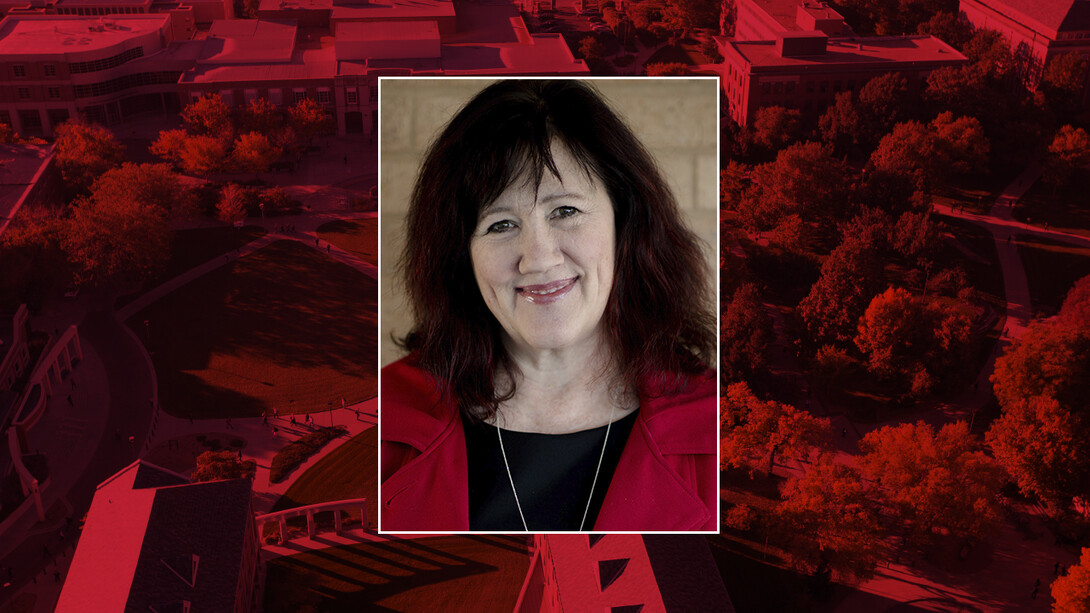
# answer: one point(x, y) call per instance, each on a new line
point(153, 541)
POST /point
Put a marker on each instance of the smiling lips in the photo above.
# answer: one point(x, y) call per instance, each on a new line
point(546, 293)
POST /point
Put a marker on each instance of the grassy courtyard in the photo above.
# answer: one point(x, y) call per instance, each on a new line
point(1052, 267)
point(349, 471)
point(356, 236)
point(286, 327)
point(464, 573)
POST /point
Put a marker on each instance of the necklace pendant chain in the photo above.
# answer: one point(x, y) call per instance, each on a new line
point(593, 483)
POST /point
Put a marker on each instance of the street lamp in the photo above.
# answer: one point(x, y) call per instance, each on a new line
point(330, 405)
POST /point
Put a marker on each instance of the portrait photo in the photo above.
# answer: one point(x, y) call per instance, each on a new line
point(548, 333)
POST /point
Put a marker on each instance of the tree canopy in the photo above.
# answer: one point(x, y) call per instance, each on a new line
point(755, 431)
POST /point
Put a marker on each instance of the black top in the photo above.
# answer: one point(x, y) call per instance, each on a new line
point(553, 474)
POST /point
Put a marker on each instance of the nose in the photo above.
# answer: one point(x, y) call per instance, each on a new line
point(540, 250)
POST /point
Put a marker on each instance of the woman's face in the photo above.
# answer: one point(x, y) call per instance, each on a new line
point(543, 258)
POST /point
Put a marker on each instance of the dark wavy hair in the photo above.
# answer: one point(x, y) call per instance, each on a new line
point(659, 320)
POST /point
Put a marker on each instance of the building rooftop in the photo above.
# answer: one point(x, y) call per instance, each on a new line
point(247, 41)
point(785, 12)
point(22, 35)
point(855, 50)
point(79, 3)
point(152, 539)
point(1047, 16)
point(303, 64)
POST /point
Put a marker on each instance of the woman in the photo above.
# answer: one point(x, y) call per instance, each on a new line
point(560, 368)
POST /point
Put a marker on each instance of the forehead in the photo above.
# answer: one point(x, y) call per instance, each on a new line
point(572, 179)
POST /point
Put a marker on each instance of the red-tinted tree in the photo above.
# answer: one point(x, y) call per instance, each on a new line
point(209, 116)
point(774, 127)
point(254, 153)
point(850, 277)
point(84, 151)
point(1063, 83)
point(947, 27)
point(203, 155)
point(153, 184)
point(744, 334)
point(261, 116)
point(828, 520)
point(1075, 310)
point(1069, 151)
point(169, 145)
point(309, 119)
point(232, 204)
point(805, 179)
point(117, 241)
point(754, 431)
point(940, 482)
point(1071, 592)
point(916, 341)
point(1044, 447)
point(687, 15)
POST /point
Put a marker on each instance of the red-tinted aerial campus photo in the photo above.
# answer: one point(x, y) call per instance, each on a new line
point(190, 295)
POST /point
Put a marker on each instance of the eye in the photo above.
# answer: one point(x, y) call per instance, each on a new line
point(500, 227)
point(561, 212)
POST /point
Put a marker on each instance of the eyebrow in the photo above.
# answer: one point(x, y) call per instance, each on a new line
point(493, 208)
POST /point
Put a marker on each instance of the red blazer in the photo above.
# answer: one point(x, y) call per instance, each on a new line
point(666, 480)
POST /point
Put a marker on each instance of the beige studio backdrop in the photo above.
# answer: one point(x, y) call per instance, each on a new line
point(676, 118)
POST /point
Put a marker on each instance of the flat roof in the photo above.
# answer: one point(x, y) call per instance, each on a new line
point(303, 65)
point(102, 2)
point(854, 50)
point(104, 563)
point(51, 34)
point(387, 9)
point(1052, 16)
point(401, 30)
point(242, 41)
point(785, 12)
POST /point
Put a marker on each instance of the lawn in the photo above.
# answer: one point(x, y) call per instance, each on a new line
point(349, 471)
point(1052, 267)
point(285, 327)
point(193, 247)
point(356, 236)
point(449, 573)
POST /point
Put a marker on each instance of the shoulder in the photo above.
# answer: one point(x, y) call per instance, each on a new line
point(414, 410)
point(685, 421)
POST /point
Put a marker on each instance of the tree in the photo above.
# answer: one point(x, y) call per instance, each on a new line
point(219, 465)
point(733, 180)
point(7, 135)
point(962, 144)
point(33, 262)
point(828, 520)
point(840, 124)
point(1069, 151)
point(202, 155)
point(254, 153)
point(1048, 360)
point(913, 340)
point(232, 204)
point(1072, 591)
point(85, 151)
point(1075, 310)
point(666, 69)
point(744, 334)
point(755, 431)
point(774, 127)
point(850, 277)
point(931, 153)
point(915, 237)
point(590, 47)
point(643, 14)
point(123, 240)
point(937, 481)
point(1063, 83)
point(883, 101)
point(308, 119)
point(687, 15)
point(1044, 447)
point(210, 116)
point(169, 145)
point(261, 116)
point(152, 184)
point(947, 27)
point(804, 179)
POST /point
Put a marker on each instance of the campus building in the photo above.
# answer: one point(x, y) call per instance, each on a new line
point(53, 67)
point(767, 19)
point(622, 573)
point(806, 70)
point(153, 541)
point(1038, 31)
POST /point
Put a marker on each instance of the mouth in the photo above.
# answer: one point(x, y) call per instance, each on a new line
point(546, 292)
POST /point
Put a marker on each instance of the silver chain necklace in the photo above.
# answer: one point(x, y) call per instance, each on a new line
point(592, 483)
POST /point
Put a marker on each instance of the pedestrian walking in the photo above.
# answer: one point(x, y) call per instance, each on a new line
point(316, 241)
point(346, 160)
point(229, 426)
point(56, 576)
point(117, 433)
point(293, 420)
point(70, 400)
point(264, 419)
point(843, 433)
point(275, 431)
point(327, 247)
point(357, 414)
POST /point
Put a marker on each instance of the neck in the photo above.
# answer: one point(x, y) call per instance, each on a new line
point(564, 391)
